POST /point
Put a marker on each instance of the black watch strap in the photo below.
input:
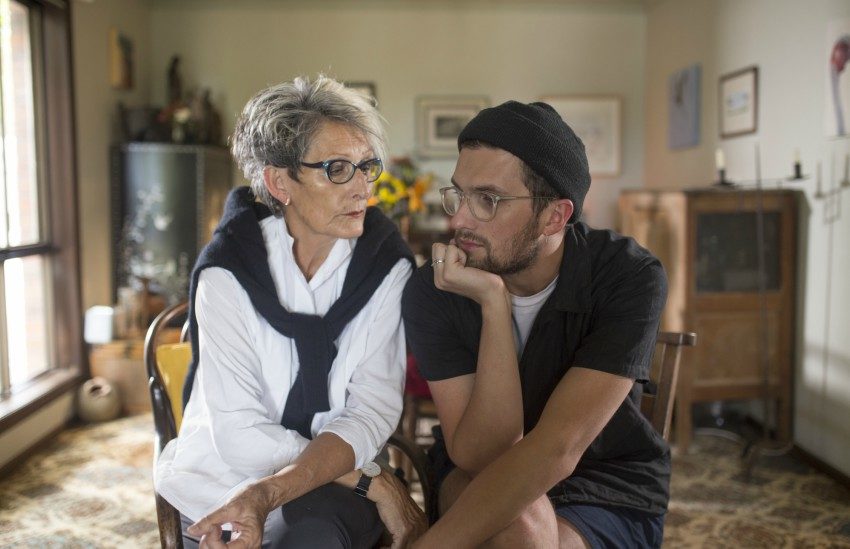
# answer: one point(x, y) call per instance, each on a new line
point(363, 484)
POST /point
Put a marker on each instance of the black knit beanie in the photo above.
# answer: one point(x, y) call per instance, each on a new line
point(536, 134)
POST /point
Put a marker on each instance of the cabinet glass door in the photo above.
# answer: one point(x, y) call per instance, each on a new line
point(727, 252)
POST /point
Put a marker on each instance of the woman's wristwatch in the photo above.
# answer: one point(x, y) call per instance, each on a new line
point(369, 471)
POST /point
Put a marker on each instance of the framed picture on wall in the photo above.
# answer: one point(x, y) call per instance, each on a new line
point(596, 119)
point(739, 102)
point(837, 100)
point(120, 60)
point(440, 119)
point(683, 101)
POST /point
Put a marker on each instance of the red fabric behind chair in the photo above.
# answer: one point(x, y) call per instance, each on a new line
point(416, 385)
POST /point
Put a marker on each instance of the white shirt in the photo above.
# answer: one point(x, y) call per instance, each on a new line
point(231, 433)
point(524, 311)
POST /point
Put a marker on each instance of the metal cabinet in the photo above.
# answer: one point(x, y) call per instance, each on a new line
point(166, 201)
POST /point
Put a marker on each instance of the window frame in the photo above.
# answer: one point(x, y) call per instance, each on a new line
point(59, 242)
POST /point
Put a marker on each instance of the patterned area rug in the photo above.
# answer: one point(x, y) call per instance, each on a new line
point(783, 503)
point(91, 487)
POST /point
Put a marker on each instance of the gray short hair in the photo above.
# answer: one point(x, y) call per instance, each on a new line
point(278, 124)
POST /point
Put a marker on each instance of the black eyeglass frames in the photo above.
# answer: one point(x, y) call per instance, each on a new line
point(340, 171)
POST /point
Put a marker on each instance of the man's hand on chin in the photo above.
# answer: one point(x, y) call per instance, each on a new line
point(452, 275)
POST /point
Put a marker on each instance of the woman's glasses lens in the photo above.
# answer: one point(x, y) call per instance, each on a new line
point(341, 171)
point(373, 169)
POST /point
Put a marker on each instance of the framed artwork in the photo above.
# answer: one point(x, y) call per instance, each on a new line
point(835, 58)
point(597, 122)
point(120, 60)
point(683, 108)
point(366, 88)
point(440, 119)
point(739, 102)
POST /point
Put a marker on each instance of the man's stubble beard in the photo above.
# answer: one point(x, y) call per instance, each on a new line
point(521, 252)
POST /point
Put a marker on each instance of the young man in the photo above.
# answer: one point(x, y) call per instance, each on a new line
point(535, 333)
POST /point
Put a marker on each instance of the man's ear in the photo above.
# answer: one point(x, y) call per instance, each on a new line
point(556, 216)
point(277, 182)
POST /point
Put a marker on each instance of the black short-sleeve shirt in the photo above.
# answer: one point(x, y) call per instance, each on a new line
point(603, 315)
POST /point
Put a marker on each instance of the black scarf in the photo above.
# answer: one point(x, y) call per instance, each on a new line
point(238, 246)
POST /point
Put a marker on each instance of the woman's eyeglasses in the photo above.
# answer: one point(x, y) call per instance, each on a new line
point(482, 204)
point(341, 171)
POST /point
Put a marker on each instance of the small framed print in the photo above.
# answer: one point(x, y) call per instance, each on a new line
point(440, 119)
point(596, 119)
point(739, 102)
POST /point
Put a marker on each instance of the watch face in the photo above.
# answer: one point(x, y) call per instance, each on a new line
point(371, 469)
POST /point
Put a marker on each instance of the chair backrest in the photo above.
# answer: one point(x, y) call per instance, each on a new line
point(165, 411)
point(166, 366)
point(658, 407)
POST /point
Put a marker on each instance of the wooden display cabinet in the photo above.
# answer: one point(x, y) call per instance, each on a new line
point(708, 241)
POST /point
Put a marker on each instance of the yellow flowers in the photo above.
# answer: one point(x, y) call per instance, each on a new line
point(387, 190)
point(399, 189)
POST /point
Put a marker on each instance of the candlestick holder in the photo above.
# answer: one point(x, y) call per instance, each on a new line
point(721, 179)
point(798, 173)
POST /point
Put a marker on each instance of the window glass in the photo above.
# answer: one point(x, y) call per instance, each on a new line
point(26, 317)
point(19, 123)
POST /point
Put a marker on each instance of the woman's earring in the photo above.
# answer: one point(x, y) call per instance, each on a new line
point(288, 200)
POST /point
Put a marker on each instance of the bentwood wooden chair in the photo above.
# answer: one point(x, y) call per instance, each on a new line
point(166, 365)
point(660, 393)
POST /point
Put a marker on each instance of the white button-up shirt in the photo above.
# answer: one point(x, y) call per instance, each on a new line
point(231, 433)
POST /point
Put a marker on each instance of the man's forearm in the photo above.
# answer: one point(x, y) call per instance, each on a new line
point(493, 419)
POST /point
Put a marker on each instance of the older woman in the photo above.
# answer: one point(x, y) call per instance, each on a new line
point(297, 341)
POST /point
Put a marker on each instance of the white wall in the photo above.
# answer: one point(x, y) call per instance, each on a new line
point(49, 419)
point(510, 50)
point(787, 40)
point(95, 104)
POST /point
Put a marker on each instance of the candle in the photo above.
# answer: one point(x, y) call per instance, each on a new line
point(719, 160)
point(798, 167)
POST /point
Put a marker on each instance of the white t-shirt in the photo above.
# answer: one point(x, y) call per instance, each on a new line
point(231, 433)
point(525, 309)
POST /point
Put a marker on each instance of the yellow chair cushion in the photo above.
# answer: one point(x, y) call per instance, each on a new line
point(173, 362)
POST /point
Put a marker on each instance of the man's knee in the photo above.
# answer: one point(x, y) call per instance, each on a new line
point(535, 527)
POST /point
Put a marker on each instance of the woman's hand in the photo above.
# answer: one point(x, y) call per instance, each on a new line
point(246, 512)
point(402, 518)
point(452, 275)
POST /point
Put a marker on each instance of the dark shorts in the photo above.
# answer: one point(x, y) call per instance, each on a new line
point(614, 527)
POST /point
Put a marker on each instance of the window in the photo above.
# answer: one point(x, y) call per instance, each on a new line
point(39, 288)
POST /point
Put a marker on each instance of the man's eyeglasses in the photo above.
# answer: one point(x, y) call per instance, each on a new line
point(341, 171)
point(482, 204)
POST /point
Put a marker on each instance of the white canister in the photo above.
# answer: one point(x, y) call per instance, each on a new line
point(98, 324)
